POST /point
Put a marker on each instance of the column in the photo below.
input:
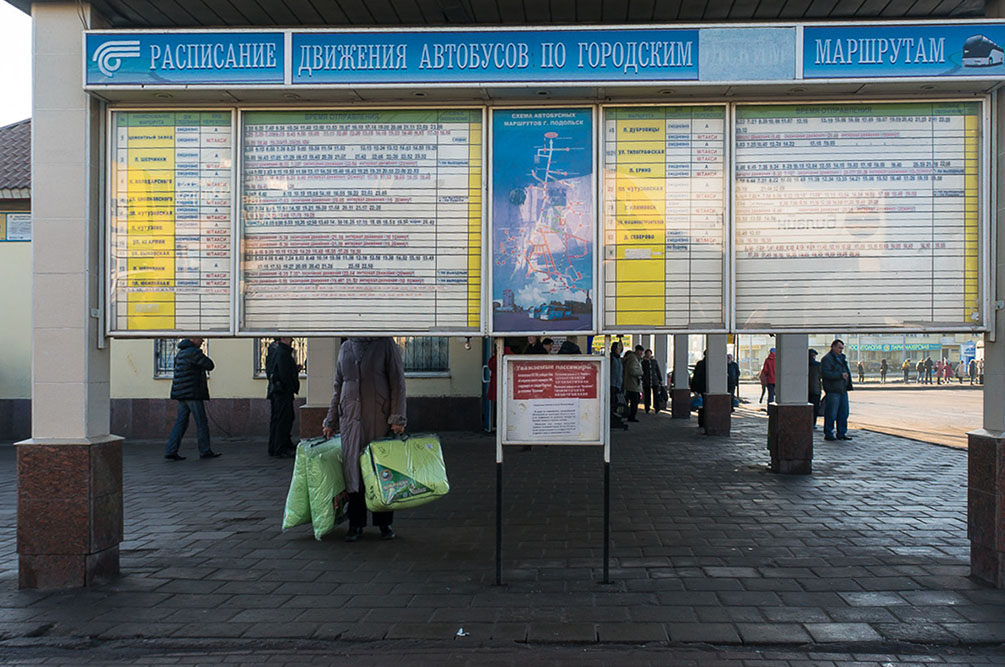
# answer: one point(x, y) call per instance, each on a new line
point(717, 405)
point(69, 514)
point(321, 356)
point(790, 417)
point(680, 394)
point(986, 446)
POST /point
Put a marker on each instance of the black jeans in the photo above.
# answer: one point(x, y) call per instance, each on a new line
point(280, 423)
point(633, 403)
point(357, 513)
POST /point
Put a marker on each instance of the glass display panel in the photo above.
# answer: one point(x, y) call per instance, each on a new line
point(858, 216)
point(362, 221)
point(170, 238)
point(664, 210)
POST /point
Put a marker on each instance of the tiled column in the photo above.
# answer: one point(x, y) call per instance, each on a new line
point(69, 512)
point(717, 404)
point(790, 417)
point(321, 355)
point(680, 395)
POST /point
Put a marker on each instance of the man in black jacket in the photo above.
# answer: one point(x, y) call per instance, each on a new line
point(284, 381)
point(190, 389)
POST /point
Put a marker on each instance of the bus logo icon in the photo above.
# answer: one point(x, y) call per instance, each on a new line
point(110, 54)
point(979, 51)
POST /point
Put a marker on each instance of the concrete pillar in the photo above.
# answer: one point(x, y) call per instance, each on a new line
point(661, 348)
point(69, 512)
point(790, 417)
point(680, 395)
point(321, 356)
point(717, 404)
point(986, 446)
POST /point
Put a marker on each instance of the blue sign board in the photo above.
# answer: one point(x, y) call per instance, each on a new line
point(524, 56)
point(542, 220)
point(881, 51)
point(187, 58)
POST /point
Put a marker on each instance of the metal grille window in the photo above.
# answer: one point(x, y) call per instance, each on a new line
point(262, 351)
point(424, 355)
point(164, 351)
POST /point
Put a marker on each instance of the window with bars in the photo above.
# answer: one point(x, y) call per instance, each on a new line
point(262, 351)
point(424, 355)
point(165, 350)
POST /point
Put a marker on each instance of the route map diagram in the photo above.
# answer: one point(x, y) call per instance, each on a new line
point(542, 258)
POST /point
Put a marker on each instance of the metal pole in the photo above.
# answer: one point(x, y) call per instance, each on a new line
point(499, 522)
point(607, 522)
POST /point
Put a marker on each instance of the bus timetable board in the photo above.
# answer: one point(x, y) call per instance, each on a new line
point(362, 221)
point(664, 210)
point(170, 222)
point(858, 216)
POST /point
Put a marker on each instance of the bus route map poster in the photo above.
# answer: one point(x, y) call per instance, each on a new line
point(664, 198)
point(362, 221)
point(866, 215)
point(170, 220)
point(542, 220)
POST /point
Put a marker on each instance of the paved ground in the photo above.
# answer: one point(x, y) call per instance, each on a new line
point(930, 413)
point(714, 561)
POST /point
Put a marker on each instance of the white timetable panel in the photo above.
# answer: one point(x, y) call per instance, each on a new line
point(664, 211)
point(170, 222)
point(862, 216)
point(362, 221)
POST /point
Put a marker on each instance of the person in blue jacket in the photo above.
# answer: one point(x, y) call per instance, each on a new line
point(190, 389)
point(837, 383)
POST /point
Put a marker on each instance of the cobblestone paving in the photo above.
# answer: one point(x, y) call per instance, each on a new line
point(708, 549)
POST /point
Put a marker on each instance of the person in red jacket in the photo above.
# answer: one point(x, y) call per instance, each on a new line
point(768, 375)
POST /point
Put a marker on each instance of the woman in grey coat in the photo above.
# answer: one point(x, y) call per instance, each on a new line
point(369, 398)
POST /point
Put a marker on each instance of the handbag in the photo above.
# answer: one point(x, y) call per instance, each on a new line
point(620, 404)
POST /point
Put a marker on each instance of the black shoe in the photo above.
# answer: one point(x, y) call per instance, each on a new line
point(845, 437)
point(829, 437)
point(633, 419)
point(174, 457)
point(387, 533)
point(209, 455)
point(353, 534)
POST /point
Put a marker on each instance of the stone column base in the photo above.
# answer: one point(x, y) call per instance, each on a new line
point(69, 512)
point(717, 413)
point(311, 417)
point(986, 505)
point(680, 403)
point(790, 438)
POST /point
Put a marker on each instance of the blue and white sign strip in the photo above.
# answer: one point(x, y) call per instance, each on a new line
point(184, 58)
point(518, 56)
point(947, 50)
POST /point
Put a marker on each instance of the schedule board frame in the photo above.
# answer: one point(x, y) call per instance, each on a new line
point(106, 224)
point(727, 226)
point(985, 226)
point(240, 331)
point(489, 288)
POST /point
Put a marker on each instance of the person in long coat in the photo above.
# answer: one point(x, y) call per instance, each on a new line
point(369, 399)
point(283, 373)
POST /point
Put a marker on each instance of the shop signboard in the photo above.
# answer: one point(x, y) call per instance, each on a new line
point(553, 400)
point(542, 224)
point(859, 215)
point(15, 226)
point(664, 232)
point(170, 217)
point(919, 50)
point(362, 221)
point(184, 58)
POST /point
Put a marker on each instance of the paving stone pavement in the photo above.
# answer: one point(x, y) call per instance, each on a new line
point(714, 560)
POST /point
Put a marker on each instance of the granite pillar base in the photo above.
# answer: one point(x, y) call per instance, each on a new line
point(986, 506)
point(717, 413)
point(311, 417)
point(69, 512)
point(680, 403)
point(790, 438)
